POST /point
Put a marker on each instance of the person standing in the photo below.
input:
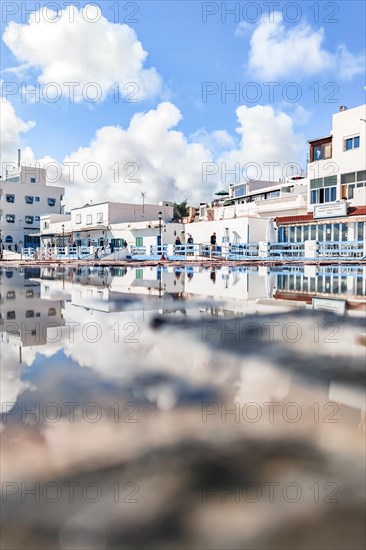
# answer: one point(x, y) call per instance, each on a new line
point(213, 241)
point(190, 245)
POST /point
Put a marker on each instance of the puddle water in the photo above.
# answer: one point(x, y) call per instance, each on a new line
point(183, 407)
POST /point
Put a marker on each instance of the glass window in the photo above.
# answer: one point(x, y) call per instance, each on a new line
point(351, 189)
point(313, 232)
point(10, 295)
point(360, 231)
point(10, 198)
point(320, 232)
point(29, 219)
point(78, 218)
point(299, 233)
point(316, 183)
point(280, 234)
point(361, 176)
point(139, 241)
point(29, 314)
point(313, 197)
point(330, 180)
point(28, 199)
point(8, 239)
point(51, 202)
point(285, 234)
point(336, 232)
point(328, 232)
point(36, 199)
point(10, 218)
point(33, 180)
point(344, 231)
point(356, 142)
point(292, 234)
point(350, 177)
point(10, 315)
point(306, 232)
point(333, 194)
point(89, 219)
point(100, 217)
point(348, 143)
point(327, 194)
point(37, 218)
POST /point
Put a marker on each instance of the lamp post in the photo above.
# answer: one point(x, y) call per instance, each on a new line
point(160, 215)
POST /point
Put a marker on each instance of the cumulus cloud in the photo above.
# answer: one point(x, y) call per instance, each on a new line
point(12, 127)
point(150, 156)
point(67, 48)
point(277, 52)
point(267, 136)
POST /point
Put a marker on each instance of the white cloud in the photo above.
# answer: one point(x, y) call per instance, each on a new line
point(154, 157)
point(72, 49)
point(151, 156)
point(12, 127)
point(267, 136)
point(277, 52)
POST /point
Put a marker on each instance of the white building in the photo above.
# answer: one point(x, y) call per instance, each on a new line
point(24, 197)
point(94, 225)
point(336, 186)
point(337, 162)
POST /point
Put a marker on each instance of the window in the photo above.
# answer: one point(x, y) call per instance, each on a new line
point(313, 232)
point(29, 294)
point(8, 239)
point(10, 315)
point(139, 241)
point(78, 218)
point(10, 218)
point(89, 219)
point(360, 231)
point(10, 198)
point(46, 225)
point(100, 217)
point(10, 295)
point(348, 178)
point(351, 143)
point(28, 199)
point(36, 218)
point(51, 202)
point(36, 199)
point(321, 151)
point(51, 312)
point(29, 314)
point(33, 180)
point(29, 219)
point(361, 176)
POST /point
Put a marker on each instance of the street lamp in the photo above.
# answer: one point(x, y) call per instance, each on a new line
point(160, 215)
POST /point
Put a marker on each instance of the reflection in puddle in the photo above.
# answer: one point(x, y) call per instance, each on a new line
point(164, 397)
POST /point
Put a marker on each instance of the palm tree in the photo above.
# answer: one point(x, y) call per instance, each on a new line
point(181, 209)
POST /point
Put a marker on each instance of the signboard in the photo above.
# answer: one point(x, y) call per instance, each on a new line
point(327, 304)
point(331, 210)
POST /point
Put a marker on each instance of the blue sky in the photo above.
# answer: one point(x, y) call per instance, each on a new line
point(311, 52)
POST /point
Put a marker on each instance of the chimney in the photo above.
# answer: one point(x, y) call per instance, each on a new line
point(19, 156)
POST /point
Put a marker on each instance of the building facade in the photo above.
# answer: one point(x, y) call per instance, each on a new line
point(24, 197)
